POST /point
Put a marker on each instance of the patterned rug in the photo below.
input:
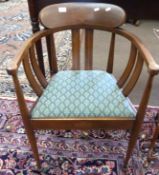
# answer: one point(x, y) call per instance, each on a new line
point(74, 152)
point(15, 28)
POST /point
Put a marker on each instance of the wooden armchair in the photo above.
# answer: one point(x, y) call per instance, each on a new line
point(83, 99)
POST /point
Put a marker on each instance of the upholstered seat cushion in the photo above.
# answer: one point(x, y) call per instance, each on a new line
point(82, 94)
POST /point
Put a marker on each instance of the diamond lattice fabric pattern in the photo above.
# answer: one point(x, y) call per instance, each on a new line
point(82, 94)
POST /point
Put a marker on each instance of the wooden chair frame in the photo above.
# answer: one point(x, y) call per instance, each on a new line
point(28, 57)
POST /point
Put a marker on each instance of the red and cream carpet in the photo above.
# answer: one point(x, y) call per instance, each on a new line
point(74, 152)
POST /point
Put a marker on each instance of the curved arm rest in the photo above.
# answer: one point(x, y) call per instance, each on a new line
point(153, 67)
point(27, 56)
point(13, 67)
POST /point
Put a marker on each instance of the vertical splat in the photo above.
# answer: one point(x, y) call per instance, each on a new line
point(51, 54)
point(132, 58)
point(75, 49)
point(89, 49)
point(111, 54)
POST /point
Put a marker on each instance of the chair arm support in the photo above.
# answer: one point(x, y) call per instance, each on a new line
point(12, 70)
point(20, 97)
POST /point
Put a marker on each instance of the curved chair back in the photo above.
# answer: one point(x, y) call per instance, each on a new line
point(87, 15)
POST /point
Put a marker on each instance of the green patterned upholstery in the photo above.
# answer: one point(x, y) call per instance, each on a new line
point(82, 94)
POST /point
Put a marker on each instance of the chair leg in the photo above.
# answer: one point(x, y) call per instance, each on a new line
point(131, 145)
point(154, 139)
point(32, 140)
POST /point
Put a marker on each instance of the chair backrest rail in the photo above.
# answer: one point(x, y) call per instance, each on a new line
point(75, 49)
point(36, 67)
point(126, 80)
point(129, 67)
point(89, 49)
point(50, 42)
point(111, 54)
point(135, 75)
point(40, 56)
point(31, 78)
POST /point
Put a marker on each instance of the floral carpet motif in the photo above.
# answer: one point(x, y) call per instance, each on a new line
point(15, 28)
point(73, 152)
